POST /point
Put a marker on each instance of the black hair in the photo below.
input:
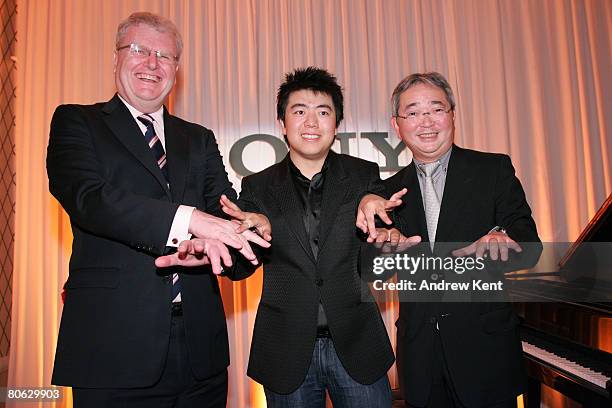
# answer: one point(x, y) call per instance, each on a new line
point(314, 79)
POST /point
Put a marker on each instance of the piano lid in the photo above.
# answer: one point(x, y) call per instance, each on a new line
point(590, 257)
point(599, 229)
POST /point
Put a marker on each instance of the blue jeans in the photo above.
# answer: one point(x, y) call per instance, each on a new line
point(326, 372)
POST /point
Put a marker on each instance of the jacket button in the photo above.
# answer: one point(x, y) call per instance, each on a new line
point(432, 320)
point(319, 282)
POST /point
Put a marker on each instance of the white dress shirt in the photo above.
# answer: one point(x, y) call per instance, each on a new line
point(179, 231)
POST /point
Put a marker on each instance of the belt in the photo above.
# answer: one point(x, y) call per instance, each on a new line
point(323, 332)
point(177, 309)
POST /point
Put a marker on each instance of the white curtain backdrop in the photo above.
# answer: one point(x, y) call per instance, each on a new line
point(532, 79)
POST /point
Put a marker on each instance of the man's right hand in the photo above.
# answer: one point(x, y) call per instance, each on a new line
point(207, 226)
point(372, 205)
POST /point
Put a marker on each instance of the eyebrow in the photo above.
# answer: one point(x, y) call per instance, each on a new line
point(303, 105)
point(413, 104)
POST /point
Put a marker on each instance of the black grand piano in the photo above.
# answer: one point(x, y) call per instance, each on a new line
point(567, 337)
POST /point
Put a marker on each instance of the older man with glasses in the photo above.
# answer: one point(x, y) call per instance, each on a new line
point(457, 354)
point(135, 181)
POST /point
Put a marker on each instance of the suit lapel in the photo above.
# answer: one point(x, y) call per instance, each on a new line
point(283, 192)
point(334, 191)
point(122, 124)
point(453, 199)
point(177, 150)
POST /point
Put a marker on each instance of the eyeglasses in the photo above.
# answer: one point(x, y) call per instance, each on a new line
point(435, 114)
point(142, 53)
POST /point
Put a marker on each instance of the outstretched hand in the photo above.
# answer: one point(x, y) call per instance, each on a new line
point(197, 252)
point(247, 220)
point(371, 206)
point(495, 245)
point(393, 240)
point(206, 226)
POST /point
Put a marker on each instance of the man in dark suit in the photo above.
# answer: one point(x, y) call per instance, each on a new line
point(135, 181)
point(315, 330)
point(456, 354)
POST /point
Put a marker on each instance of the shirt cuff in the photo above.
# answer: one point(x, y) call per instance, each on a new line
point(179, 231)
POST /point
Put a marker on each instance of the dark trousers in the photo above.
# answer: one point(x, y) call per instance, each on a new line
point(443, 393)
point(176, 388)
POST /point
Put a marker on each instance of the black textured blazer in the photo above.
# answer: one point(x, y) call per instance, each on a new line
point(294, 282)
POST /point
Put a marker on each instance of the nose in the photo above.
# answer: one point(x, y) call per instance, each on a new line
point(152, 61)
point(311, 120)
point(426, 119)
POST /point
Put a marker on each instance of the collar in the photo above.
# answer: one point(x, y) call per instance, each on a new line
point(442, 163)
point(158, 115)
point(298, 174)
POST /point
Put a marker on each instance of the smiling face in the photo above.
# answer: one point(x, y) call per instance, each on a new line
point(143, 82)
point(310, 127)
point(428, 136)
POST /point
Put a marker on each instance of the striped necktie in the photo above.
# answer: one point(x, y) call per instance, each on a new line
point(155, 144)
point(160, 156)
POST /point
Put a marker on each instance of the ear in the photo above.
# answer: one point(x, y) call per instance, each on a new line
point(281, 123)
point(395, 126)
point(114, 61)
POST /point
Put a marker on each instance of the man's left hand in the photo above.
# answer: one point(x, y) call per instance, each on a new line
point(495, 245)
point(247, 220)
point(392, 240)
point(197, 252)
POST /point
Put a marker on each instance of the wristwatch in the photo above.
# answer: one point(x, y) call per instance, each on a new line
point(497, 228)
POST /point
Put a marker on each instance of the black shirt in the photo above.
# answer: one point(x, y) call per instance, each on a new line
point(310, 194)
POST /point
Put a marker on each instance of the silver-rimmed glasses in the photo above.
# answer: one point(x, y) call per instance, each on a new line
point(436, 114)
point(142, 52)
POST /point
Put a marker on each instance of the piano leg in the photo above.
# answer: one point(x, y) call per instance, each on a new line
point(534, 394)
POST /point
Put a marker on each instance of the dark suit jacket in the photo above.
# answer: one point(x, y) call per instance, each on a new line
point(294, 282)
point(480, 340)
point(115, 324)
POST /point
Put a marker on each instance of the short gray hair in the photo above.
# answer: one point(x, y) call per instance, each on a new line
point(428, 78)
point(159, 23)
